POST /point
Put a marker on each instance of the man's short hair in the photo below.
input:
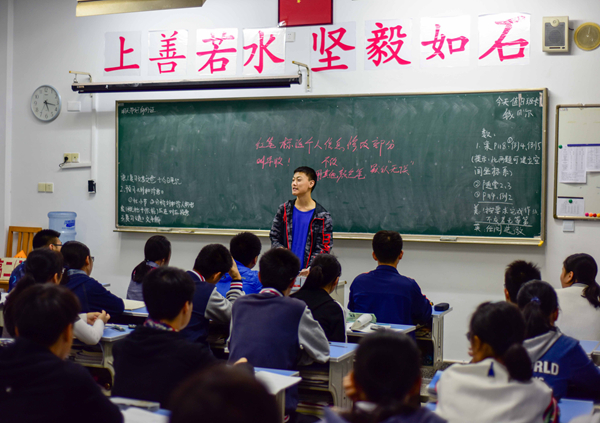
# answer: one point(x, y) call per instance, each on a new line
point(43, 312)
point(517, 274)
point(44, 238)
point(212, 259)
point(278, 268)
point(310, 174)
point(166, 290)
point(245, 247)
point(387, 246)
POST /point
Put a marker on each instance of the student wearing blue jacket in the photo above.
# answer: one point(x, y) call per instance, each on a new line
point(245, 248)
point(393, 298)
point(557, 359)
point(92, 295)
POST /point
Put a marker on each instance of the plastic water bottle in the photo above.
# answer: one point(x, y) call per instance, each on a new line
point(63, 222)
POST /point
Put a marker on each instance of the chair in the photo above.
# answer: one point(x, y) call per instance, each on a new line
point(24, 240)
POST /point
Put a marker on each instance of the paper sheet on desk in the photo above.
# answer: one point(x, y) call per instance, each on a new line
point(274, 382)
point(367, 329)
point(572, 165)
point(566, 206)
point(133, 304)
point(137, 415)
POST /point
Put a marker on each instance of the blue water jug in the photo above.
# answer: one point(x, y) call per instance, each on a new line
point(63, 222)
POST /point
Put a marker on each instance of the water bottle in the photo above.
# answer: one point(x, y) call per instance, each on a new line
point(63, 222)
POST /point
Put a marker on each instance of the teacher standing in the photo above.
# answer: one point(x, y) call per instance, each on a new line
point(302, 224)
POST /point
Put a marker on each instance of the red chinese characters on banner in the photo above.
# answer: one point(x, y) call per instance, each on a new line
point(264, 51)
point(124, 49)
point(386, 41)
point(454, 44)
point(442, 39)
point(500, 44)
point(504, 39)
point(220, 55)
point(165, 49)
point(333, 48)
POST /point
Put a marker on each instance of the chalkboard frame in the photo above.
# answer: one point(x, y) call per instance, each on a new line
point(534, 241)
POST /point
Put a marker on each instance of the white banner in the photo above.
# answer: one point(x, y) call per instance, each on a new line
point(217, 51)
point(122, 53)
point(168, 51)
point(445, 42)
point(264, 51)
point(388, 44)
point(333, 47)
point(504, 39)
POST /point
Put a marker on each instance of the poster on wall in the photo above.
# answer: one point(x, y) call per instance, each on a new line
point(264, 51)
point(445, 42)
point(504, 39)
point(333, 47)
point(305, 12)
point(122, 53)
point(216, 52)
point(167, 51)
point(388, 44)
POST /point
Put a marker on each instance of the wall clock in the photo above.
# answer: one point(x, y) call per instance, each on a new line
point(46, 103)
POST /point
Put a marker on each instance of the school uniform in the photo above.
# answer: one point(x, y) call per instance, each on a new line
point(393, 298)
point(325, 310)
point(577, 317)
point(37, 386)
point(16, 275)
point(560, 361)
point(209, 304)
point(134, 290)
point(274, 331)
point(92, 295)
point(420, 415)
point(249, 279)
point(153, 360)
point(484, 393)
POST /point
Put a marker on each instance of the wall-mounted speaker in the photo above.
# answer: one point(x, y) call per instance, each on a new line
point(555, 34)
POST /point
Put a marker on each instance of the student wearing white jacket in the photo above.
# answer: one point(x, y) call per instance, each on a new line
point(579, 299)
point(497, 386)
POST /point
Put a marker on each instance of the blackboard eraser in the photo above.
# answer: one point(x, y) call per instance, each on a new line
point(448, 238)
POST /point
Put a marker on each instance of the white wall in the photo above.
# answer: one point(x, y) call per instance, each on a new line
point(6, 16)
point(49, 41)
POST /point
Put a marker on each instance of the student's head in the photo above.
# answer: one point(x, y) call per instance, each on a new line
point(325, 272)
point(387, 247)
point(47, 238)
point(278, 269)
point(245, 248)
point(539, 304)
point(45, 314)
point(213, 262)
point(223, 394)
point(77, 256)
point(168, 294)
point(582, 268)
point(497, 330)
point(157, 250)
point(517, 273)
point(304, 180)
point(387, 372)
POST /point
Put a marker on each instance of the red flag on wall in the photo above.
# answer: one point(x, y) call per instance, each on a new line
point(305, 12)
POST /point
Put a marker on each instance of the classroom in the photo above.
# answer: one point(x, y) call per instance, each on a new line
point(40, 42)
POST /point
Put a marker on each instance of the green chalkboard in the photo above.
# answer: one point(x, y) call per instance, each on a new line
point(436, 166)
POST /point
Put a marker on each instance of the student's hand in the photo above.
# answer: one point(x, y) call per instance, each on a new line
point(241, 361)
point(91, 317)
point(350, 388)
point(234, 272)
point(304, 272)
point(104, 316)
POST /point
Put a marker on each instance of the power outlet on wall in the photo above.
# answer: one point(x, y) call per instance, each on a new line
point(67, 158)
point(74, 157)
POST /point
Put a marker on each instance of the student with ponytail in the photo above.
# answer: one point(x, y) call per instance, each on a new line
point(322, 280)
point(46, 266)
point(92, 295)
point(557, 359)
point(580, 298)
point(385, 383)
point(497, 386)
point(157, 253)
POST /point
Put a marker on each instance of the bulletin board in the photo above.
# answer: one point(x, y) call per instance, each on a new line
point(577, 165)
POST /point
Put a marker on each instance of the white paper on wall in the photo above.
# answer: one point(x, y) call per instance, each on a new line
point(592, 158)
point(216, 51)
point(264, 51)
point(122, 53)
point(567, 206)
point(167, 53)
point(504, 39)
point(388, 44)
point(572, 165)
point(333, 47)
point(445, 42)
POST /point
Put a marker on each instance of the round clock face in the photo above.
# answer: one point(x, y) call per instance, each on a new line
point(46, 103)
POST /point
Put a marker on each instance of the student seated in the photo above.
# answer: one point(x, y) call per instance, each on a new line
point(212, 263)
point(321, 281)
point(497, 386)
point(92, 295)
point(272, 330)
point(37, 384)
point(579, 303)
point(393, 298)
point(558, 359)
point(155, 358)
point(46, 238)
point(223, 394)
point(46, 266)
point(245, 248)
point(385, 383)
point(517, 274)
point(157, 252)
